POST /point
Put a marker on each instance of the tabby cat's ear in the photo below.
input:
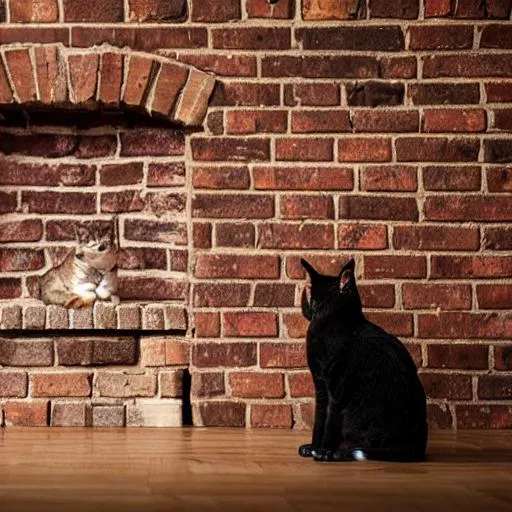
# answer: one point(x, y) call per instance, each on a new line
point(347, 274)
point(82, 233)
point(309, 268)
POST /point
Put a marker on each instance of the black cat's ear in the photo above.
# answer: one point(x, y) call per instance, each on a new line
point(306, 306)
point(309, 268)
point(347, 274)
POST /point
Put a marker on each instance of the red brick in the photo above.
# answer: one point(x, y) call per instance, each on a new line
point(100, 351)
point(437, 8)
point(240, 266)
point(496, 36)
point(314, 94)
point(235, 235)
point(151, 288)
point(503, 119)
point(494, 387)
point(498, 239)
point(312, 149)
point(458, 356)
point(398, 67)
point(489, 65)
point(256, 121)
point(29, 230)
point(254, 206)
point(230, 149)
point(498, 8)
point(16, 260)
point(408, 9)
point(433, 296)
point(452, 178)
point(166, 175)
point(255, 324)
point(498, 92)
point(111, 73)
point(20, 34)
point(303, 178)
point(156, 10)
point(377, 207)
point(83, 77)
point(503, 357)
point(61, 384)
point(296, 325)
point(10, 288)
point(469, 9)
point(362, 236)
point(458, 267)
point(207, 384)
point(320, 66)
point(207, 325)
point(469, 208)
point(377, 295)
point(306, 415)
point(301, 385)
point(34, 11)
point(224, 354)
point(221, 65)
point(252, 38)
point(374, 94)
point(295, 236)
point(221, 294)
point(426, 238)
point(121, 202)
point(364, 150)
point(94, 11)
point(105, 416)
point(439, 416)
point(331, 10)
point(246, 94)
point(318, 121)
point(221, 414)
point(13, 384)
point(138, 80)
point(448, 386)
point(26, 414)
point(306, 207)
point(5, 88)
point(416, 149)
point(282, 355)
point(170, 81)
point(141, 38)
point(22, 76)
point(177, 352)
point(389, 267)
point(494, 296)
point(221, 177)
point(26, 352)
point(440, 37)
point(388, 121)
point(163, 203)
point(256, 385)
point(14, 173)
point(474, 416)
point(274, 416)
point(171, 384)
point(70, 415)
point(153, 142)
point(121, 385)
point(202, 235)
point(454, 120)
point(465, 325)
point(444, 93)
point(283, 9)
point(398, 324)
point(8, 202)
point(121, 174)
point(215, 11)
point(393, 179)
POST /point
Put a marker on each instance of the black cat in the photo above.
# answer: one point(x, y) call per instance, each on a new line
point(370, 403)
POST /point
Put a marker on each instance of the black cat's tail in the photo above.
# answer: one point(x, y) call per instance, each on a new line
point(382, 454)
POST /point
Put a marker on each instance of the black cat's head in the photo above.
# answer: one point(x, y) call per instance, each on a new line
point(331, 292)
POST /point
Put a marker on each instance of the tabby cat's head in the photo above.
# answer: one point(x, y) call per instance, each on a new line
point(97, 244)
point(331, 292)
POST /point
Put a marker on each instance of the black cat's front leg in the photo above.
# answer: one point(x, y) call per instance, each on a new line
point(333, 435)
point(309, 450)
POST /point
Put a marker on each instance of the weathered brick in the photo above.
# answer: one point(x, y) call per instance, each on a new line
point(111, 78)
point(61, 384)
point(83, 77)
point(256, 121)
point(251, 324)
point(5, 88)
point(450, 386)
point(216, 11)
point(96, 146)
point(454, 120)
point(313, 94)
point(318, 121)
point(94, 11)
point(274, 295)
point(121, 174)
point(96, 351)
point(142, 258)
point(332, 10)
point(306, 207)
point(121, 202)
point(29, 230)
point(496, 296)
point(34, 11)
point(437, 8)
point(221, 65)
point(498, 239)
point(444, 93)
point(433, 296)
point(22, 76)
point(70, 415)
point(456, 267)
point(494, 387)
point(283, 9)
point(397, 178)
point(364, 150)
point(235, 235)
point(107, 416)
point(207, 325)
point(233, 206)
point(439, 416)
point(171, 384)
point(239, 266)
point(389, 267)
point(151, 288)
point(207, 384)
point(374, 94)
point(503, 119)
point(416, 149)
point(362, 236)
point(166, 175)
point(153, 231)
point(202, 235)
point(477, 208)
point(408, 9)
point(153, 142)
point(498, 150)
point(14, 173)
point(474, 416)
point(469, 9)
point(156, 10)
point(498, 92)
point(20, 352)
point(427, 238)
point(26, 414)
point(52, 79)
point(122, 385)
point(377, 295)
point(296, 325)
point(252, 38)
point(301, 384)
point(10, 288)
point(503, 357)
point(230, 149)
point(398, 324)
point(13, 384)
point(440, 37)
point(282, 355)
point(154, 413)
point(256, 385)
point(168, 84)
point(377, 207)
point(246, 94)
point(295, 236)
point(498, 8)
point(220, 414)
point(221, 178)
point(390, 121)
point(224, 354)
point(459, 356)
point(221, 294)
point(274, 416)
point(489, 65)
point(452, 178)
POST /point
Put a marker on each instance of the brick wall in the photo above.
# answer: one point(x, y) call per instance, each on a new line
point(373, 129)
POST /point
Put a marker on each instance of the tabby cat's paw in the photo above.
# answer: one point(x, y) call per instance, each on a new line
point(306, 450)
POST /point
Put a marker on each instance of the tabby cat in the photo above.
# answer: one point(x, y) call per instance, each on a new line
point(89, 272)
point(370, 403)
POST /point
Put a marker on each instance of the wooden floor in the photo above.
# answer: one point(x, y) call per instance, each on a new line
point(223, 469)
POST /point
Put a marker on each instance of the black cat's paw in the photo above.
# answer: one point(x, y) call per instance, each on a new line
point(325, 455)
point(306, 450)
